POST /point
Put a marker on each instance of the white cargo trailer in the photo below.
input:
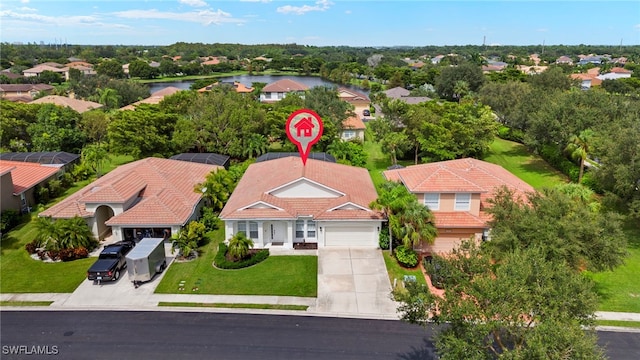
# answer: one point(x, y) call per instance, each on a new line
point(146, 260)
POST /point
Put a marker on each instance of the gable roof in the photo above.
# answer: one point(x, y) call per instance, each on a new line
point(350, 187)
point(285, 85)
point(26, 175)
point(75, 104)
point(163, 187)
point(458, 176)
point(25, 87)
point(278, 155)
point(397, 92)
point(353, 123)
point(349, 95)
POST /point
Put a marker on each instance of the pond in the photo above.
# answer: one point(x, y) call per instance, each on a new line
point(248, 81)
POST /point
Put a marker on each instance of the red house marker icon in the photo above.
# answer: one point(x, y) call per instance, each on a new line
point(304, 127)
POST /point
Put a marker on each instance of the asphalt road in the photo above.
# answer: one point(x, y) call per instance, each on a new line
point(174, 335)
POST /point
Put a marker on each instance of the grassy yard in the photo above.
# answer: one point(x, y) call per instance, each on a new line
point(235, 306)
point(619, 290)
point(278, 275)
point(22, 274)
point(377, 162)
point(530, 168)
point(397, 272)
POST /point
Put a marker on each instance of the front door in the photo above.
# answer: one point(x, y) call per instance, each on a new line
point(277, 232)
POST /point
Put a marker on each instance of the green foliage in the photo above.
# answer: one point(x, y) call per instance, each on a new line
point(56, 129)
point(222, 262)
point(110, 68)
point(239, 246)
point(348, 152)
point(406, 256)
point(383, 238)
point(8, 220)
point(511, 134)
point(61, 234)
point(564, 226)
point(469, 73)
point(514, 309)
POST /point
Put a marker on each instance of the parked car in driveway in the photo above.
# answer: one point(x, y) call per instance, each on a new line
point(366, 112)
point(111, 262)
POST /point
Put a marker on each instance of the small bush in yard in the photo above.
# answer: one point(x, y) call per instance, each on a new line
point(222, 262)
point(383, 239)
point(31, 247)
point(407, 257)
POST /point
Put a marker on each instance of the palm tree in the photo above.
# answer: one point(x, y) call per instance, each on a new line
point(216, 189)
point(185, 241)
point(395, 143)
point(239, 246)
point(95, 155)
point(47, 232)
point(392, 199)
point(460, 89)
point(75, 233)
point(255, 143)
point(109, 98)
point(579, 147)
point(414, 225)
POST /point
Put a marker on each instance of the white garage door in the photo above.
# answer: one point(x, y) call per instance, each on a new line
point(351, 235)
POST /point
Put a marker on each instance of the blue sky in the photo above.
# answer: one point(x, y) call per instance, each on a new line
point(321, 22)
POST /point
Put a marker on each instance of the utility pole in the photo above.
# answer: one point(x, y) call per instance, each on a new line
point(542, 47)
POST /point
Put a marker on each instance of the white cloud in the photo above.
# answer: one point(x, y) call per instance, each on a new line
point(28, 9)
point(88, 21)
point(194, 3)
point(348, 12)
point(24, 1)
point(320, 5)
point(205, 17)
point(262, 1)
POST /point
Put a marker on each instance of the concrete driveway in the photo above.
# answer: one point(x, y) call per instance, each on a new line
point(354, 281)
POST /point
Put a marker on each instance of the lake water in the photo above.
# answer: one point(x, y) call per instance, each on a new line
point(248, 81)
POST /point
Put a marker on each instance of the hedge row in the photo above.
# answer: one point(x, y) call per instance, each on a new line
point(221, 261)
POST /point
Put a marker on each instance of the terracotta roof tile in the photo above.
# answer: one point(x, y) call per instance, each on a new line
point(75, 104)
point(26, 175)
point(349, 183)
point(285, 85)
point(353, 122)
point(165, 188)
point(457, 219)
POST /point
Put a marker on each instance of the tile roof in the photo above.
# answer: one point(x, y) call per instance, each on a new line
point(352, 186)
point(619, 70)
point(397, 92)
point(155, 98)
point(349, 95)
point(25, 87)
point(75, 104)
point(26, 175)
point(457, 219)
point(285, 85)
point(459, 176)
point(164, 187)
point(353, 122)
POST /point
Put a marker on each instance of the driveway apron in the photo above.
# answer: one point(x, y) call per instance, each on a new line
point(354, 281)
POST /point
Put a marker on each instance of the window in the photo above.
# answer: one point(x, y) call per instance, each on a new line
point(311, 229)
point(253, 230)
point(348, 134)
point(299, 229)
point(463, 202)
point(432, 201)
point(267, 95)
point(242, 227)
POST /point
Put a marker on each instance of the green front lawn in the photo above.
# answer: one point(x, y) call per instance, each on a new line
point(619, 290)
point(531, 168)
point(278, 275)
point(236, 306)
point(397, 272)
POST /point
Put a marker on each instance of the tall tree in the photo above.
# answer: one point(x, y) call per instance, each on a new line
point(468, 72)
point(563, 226)
point(414, 225)
point(517, 308)
point(95, 155)
point(392, 200)
point(395, 144)
point(579, 148)
point(109, 98)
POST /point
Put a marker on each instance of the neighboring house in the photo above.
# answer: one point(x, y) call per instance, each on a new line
point(593, 59)
point(402, 94)
point(397, 92)
point(532, 70)
point(238, 86)
point(436, 59)
point(23, 92)
point(616, 73)
point(37, 70)
point(18, 183)
point(353, 128)
point(75, 104)
point(493, 65)
point(79, 63)
point(564, 60)
point(278, 90)
point(457, 192)
point(151, 197)
point(282, 202)
point(586, 80)
point(359, 100)
point(58, 159)
point(204, 158)
point(155, 98)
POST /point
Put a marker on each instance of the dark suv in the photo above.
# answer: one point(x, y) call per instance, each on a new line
point(366, 112)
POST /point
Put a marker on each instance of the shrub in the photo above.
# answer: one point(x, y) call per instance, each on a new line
point(55, 188)
point(589, 180)
point(507, 133)
point(42, 195)
point(209, 219)
point(31, 247)
point(221, 261)
point(8, 220)
point(383, 238)
point(53, 254)
point(407, 257)
point(73, 254)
